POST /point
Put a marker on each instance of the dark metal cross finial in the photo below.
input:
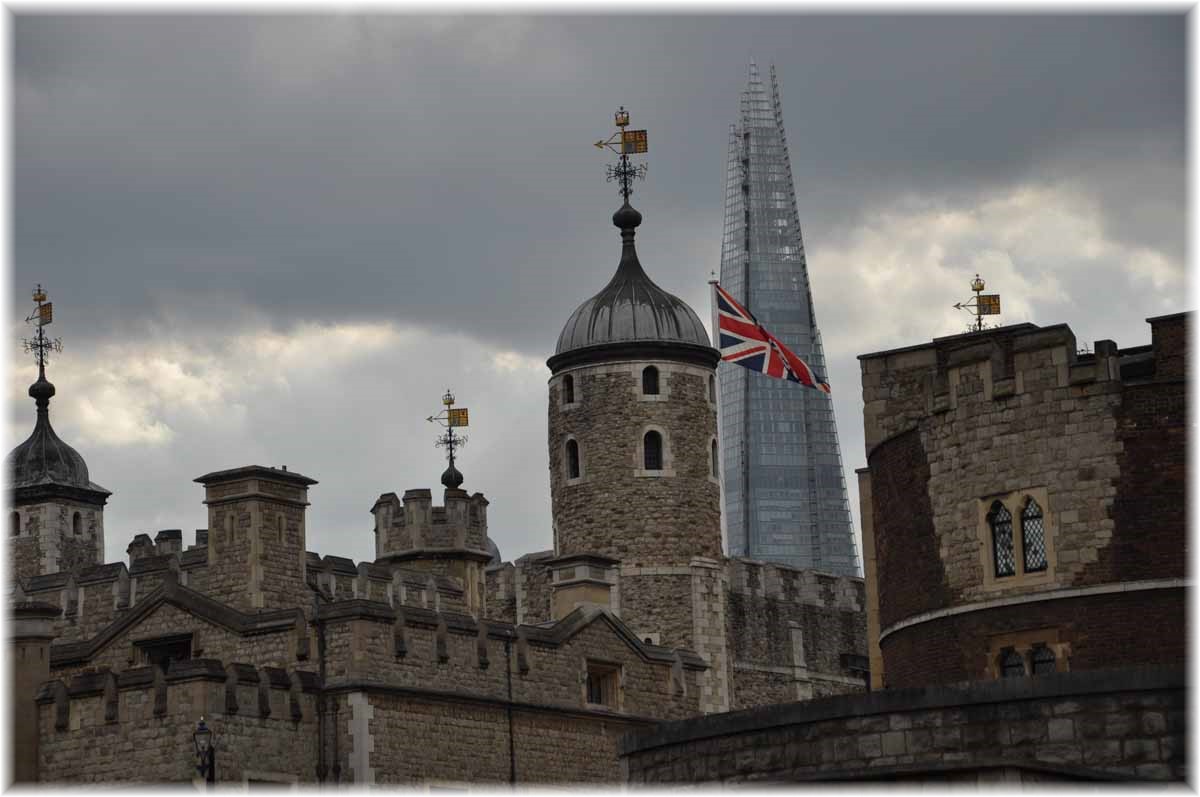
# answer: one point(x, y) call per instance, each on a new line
point(625, 143)
point(40, 346)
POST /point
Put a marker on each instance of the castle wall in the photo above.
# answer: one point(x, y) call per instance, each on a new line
point(790, 631)
point(417, 741)
point(1071, 727)
point(442, 653)
point(208, 641)
point(146, 737)
point(1016, 417)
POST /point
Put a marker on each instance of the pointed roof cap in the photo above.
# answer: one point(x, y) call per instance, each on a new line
point(44, 460)
point(631, 309)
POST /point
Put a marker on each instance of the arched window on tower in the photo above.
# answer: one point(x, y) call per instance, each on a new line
point(572, 459)
point(650, 380)
point(77, 524)
point(715, 474)
point(1033, 537)
point(1012, 665)
point(652, 450)
point(568, 389)
point(1042, 659)
point(1000, 519)
point(14, 524)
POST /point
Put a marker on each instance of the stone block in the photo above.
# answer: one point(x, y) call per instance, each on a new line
point(1136, 751)
point(1060, 730)
point(893, 743)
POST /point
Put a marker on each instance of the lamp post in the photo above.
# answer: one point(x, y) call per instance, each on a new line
point(206, 753)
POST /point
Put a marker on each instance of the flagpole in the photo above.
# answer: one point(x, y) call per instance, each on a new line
point(720, 463)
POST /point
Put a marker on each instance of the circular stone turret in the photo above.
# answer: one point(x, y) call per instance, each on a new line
point(632, 427)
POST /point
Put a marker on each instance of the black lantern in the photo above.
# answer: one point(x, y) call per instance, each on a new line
point(206, 759)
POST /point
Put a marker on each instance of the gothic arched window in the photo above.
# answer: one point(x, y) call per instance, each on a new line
point(1043, 660)
point(1000, 519)
point(652, 451)
point(568, 389)
point(572, 459)
point(14, 523)
point(650, 380)
point(1033, 537)
point(77, 524)
point(1012, 665)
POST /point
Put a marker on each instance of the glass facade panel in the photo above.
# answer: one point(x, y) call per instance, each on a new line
point(784, 488)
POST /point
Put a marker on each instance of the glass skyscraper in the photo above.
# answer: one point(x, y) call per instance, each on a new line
point(785, 493)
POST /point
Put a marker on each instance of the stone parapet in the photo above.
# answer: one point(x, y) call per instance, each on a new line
point(1110, 725)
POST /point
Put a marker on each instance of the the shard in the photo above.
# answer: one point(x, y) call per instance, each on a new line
point(785, 493)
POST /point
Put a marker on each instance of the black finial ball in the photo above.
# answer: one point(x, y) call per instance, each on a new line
point(627, 217)
point(452, 479)
point(41, 390)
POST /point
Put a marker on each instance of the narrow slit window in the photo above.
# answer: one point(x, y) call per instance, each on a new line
point(650, 380)
point(715, 474)
point(572, 459)
point(1043, 660)
point(652, 449)
point(1033, 537)
point(1012, 665)
point(568, 389)
point(712, 389)
point(14, 524)
point(77, 525)
point(1000, 519)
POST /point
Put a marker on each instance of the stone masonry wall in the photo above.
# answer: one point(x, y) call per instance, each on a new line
point(416, 740)
point(140, 743)
point(613, 510)
point(1109, 725)
point(788, 630)
point(364, 651)
point(208, 641)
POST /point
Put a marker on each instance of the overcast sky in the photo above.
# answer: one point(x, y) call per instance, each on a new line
point(277, 240)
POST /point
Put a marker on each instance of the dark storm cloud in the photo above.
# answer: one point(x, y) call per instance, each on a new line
point(439, 170)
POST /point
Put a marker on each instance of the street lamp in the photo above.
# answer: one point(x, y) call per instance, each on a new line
point(206, 752)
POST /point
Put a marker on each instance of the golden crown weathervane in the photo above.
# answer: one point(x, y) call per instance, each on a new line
point(41, 346)
point(625, 143)
point(980, 304)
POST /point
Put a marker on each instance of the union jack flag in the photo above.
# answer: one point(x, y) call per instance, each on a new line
point(744, 342)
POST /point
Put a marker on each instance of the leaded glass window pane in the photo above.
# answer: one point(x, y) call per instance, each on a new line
point(1011, 664)
point(652, 445)
point(1033, 537)
point(1043, 660)
point(1000, 520)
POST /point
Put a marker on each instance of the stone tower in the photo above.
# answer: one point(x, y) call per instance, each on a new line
point(256, 537)
point(632, 432)
point(57, 516)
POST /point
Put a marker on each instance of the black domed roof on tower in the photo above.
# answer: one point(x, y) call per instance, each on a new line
point(44, 460)
point(631, 308)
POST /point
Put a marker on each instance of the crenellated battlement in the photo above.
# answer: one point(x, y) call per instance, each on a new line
point(756, 579)
point(1021, 363)
point(413, 523)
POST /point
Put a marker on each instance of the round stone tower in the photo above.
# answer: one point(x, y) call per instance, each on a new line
point(632, 435)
